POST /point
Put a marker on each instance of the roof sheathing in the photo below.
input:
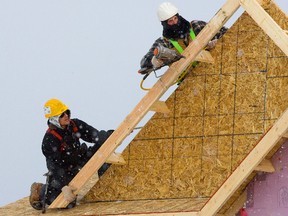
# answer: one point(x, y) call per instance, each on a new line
point(217, 115)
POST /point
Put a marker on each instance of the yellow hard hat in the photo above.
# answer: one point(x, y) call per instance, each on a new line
point(54, 107)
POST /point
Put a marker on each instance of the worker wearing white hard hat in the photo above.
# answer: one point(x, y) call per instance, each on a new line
point(166, 10)
point(177, 34)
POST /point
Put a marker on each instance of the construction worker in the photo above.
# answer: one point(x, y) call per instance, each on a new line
point(177, 34)
point(64, 153)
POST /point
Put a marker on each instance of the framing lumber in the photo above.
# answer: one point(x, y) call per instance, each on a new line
point(205, 56)
point(285, 135)
point(165, 214)
point(264, 146)
point(237, 205)
point(269, 26)
point(265, 166)
point(84, 190)
point(160, 106)
point(116, 158)
point(141, 109)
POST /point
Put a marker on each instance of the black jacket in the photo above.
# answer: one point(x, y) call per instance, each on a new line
point(69, 154)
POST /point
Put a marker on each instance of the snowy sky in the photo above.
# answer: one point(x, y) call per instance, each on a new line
point(87, 54)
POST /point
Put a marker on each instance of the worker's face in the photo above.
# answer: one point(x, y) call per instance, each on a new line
point(173, 20)
point(64, 119)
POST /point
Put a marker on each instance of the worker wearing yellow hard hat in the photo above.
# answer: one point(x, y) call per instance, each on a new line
point(65, 154)
point(54, 107)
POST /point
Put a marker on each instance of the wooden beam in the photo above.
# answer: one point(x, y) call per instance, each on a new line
point(84, 190)
point(164, 214)
point(285, 135)
point(205, 56)
point(269, 26)
point(116, 158)
point(141, 109)
point(160, 106)
point(258, 153)
point(237, 205)
point(265, 166)
point(261, 2)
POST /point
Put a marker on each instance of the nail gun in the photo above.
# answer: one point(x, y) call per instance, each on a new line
point(168, 56)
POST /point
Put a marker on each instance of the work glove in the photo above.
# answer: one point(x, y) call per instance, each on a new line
point(157, 63)
point(69, 196)
point(212, 44)
point(83, 148)
point(102, 137)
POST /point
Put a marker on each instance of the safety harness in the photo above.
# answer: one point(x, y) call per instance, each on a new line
point(177, 45)
point(58, 136)
point(181, 50)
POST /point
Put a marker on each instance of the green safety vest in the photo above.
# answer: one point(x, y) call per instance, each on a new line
point(177, 45)
point(180, 49)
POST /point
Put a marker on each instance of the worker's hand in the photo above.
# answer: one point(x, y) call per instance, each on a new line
point(83, 149)
point(157, 63)
point(69, 196)
point(212, 44)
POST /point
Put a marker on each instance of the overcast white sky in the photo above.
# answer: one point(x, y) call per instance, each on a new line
point(87, 54)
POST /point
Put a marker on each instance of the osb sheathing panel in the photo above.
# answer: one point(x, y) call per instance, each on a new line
point(275, 97)
point(107, 208)
point(218, 114)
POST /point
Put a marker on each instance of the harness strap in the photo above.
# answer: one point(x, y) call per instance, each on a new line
point(181, 50)
point(75, 128)
point(57, 135)
point(177, 45)
point(192, 34)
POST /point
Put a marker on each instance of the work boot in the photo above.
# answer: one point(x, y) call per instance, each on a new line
point(34, 199)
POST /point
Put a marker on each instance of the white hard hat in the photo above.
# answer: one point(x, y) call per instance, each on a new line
point(166, 10)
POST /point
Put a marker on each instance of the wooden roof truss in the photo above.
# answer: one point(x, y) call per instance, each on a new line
point(151, 101)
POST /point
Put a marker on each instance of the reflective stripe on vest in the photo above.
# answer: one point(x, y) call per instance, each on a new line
point(177, 45)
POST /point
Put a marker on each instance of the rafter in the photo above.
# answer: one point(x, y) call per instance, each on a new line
point(246, 167)
point(161, 86)
point(269, 26)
